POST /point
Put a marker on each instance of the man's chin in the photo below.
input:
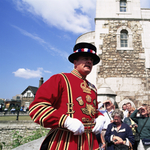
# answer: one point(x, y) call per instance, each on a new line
point(88, 71)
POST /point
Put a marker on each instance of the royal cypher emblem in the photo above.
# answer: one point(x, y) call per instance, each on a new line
point(85, 88)
point(89, 110)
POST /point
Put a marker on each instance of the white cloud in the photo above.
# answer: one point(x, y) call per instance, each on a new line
point(70, 15)
point(46, 45)
point(27, 73)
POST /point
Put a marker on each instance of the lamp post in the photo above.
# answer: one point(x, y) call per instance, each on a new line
point(17, 110)
point(104, 93)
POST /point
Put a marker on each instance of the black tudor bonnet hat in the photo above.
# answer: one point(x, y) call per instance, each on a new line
point(84, 49)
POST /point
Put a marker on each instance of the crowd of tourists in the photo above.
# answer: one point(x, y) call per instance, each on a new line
point(126, 128)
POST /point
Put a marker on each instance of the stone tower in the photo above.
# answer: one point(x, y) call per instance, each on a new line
point(122, 38)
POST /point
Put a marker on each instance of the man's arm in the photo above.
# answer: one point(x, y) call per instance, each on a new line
point(42, 109)
point(134, 117)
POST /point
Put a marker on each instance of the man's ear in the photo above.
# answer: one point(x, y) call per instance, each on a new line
point(75, 62)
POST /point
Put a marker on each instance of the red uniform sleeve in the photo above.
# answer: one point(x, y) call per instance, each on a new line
point(43, 109)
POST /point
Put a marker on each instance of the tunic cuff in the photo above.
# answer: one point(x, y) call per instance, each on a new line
point(62, 120)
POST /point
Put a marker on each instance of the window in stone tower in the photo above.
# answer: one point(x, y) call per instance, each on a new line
point(124, 38)
point(123, 5)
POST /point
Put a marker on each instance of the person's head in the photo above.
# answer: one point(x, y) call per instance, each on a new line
point(109, 104)
point(131, 110)
point(83, 64)
point(145, 110)
point(128, 105)
point(124, 107)
point(84, 57)
point(117, 116)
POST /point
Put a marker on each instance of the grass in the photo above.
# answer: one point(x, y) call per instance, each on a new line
point(13, 118)
point(19, 139)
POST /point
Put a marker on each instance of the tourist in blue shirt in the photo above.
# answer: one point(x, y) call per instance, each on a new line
point(118, 133)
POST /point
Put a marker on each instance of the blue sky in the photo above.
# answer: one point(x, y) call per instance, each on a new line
point(36, 38)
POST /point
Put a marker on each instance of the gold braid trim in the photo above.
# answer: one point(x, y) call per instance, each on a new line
point(62, 120)
point(38, 104)
point(70, 99)
point(46, 114)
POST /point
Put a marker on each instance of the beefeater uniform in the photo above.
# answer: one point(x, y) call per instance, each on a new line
point(64, 95)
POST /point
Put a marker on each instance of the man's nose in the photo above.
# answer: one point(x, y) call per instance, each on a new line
point(90, 60)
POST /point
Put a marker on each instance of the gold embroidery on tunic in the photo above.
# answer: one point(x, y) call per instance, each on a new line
point(84, 87)
point(89, 110)
point(88, 98)
point(88, 125)
point(80, 101)
point(86, 120)
point(70, 108)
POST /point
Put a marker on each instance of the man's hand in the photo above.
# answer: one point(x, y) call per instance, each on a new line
point(141, 107)
point(107, 101)
point(74, 125)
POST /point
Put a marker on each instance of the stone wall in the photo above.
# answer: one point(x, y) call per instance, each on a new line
point(127, 64)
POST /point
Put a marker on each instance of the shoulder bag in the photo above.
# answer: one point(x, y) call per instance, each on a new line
point(137, 135)
point(146, 141)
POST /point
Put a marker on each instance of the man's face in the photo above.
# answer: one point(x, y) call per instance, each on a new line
point(108, 105)
point(124, 107)
point(84, 64)
point(128, 106)
point(143, 111)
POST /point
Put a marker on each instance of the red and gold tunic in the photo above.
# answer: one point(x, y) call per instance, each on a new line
point(65, 95)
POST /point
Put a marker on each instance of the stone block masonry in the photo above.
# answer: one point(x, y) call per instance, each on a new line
point(127, 65)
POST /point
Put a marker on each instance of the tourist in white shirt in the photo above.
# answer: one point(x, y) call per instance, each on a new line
point(125, 111)
point(108, 109)
point(124, 107)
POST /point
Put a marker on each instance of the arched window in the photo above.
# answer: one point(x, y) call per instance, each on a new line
point(124, 38)
point(123, 6)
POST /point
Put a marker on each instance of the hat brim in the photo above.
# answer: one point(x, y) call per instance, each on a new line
point(74, 56)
